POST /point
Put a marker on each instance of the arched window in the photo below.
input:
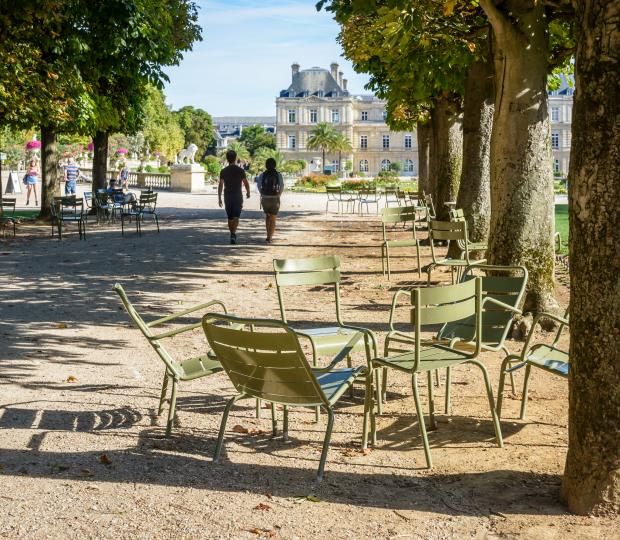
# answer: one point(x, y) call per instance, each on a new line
point(364, 165)
point(556, 166)
point(385, 165)
point(408, 166)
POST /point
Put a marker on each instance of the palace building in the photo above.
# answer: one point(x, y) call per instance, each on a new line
point(318, 95)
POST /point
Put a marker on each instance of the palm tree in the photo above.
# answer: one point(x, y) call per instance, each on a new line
point(261, 155)
point(341, 144)
point(322, 138)
point(243, 153)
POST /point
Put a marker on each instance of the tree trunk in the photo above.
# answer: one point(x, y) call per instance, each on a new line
point(446, 152)
point(592, 476)
point(475, 187)
point(100, 160)
point(424, 144)
point(522, 199)
point(50, 183)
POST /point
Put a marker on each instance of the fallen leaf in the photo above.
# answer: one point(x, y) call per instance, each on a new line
point(86, 472)
point(311, 498)
point(222, 281)
point(71, 379)
point(103, 458)
point(269, 495)
point(262, 506)
point(61, 325)
point(240, 429)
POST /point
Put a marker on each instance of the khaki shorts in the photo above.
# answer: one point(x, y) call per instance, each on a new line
point(271, 205)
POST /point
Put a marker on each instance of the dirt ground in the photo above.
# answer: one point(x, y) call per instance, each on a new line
point(82, 454)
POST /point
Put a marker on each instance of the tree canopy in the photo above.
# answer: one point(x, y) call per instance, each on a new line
point(255, 137)
point(197, 127)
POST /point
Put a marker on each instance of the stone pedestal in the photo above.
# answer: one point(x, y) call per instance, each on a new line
point(189, 178)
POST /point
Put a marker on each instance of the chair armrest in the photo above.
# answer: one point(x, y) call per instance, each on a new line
point(543, 314)
point(343, 353)
point(186, 312)
point(397, 294)
point(367, 332)
point(500, 304)
point(174, 332)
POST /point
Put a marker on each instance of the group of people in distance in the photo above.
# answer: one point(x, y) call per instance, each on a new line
point(232, 182)
point(31, 179)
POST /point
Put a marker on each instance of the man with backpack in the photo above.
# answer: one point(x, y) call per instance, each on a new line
point(270, 184)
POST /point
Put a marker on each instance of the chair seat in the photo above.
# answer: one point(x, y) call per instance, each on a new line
point(330, 339)
point(193, 368)
point(459, 262)
point(401, 243)
point(71, 218)
point(431, 357)
point(549, 359)
point(477, 246)
point(335, 382)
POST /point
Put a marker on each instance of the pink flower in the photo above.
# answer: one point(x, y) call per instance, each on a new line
point(90, 147)
point(121, 151)
point(33, 145)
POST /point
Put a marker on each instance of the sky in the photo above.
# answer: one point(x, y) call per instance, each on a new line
point(245, 58)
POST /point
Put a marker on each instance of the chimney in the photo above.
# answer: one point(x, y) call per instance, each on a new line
point(295, 69)
point(333, 68)
point(340, 75)
point(344, 85)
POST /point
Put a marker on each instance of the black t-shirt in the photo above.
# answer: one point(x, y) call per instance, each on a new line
point(232, 176)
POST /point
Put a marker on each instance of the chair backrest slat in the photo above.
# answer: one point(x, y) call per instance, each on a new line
point(326, 262)
point(398, 214)
point(263, 359)
point(325, 277)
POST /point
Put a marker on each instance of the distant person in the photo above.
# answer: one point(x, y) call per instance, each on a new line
point(31, 179)
point(232, 178)
point(123, 176)
point(271, 185)
point(72, 173)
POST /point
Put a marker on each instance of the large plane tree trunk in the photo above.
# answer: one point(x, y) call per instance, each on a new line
point(522, 199)
point(592, 476)
point(475, 190)
point(446, 152)
point(100, 160)
point(50, 183)
point(424, 142)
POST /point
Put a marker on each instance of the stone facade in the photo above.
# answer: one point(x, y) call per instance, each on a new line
point(561, 113)
point(319, 95)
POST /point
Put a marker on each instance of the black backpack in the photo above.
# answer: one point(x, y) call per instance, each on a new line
point(270, 183)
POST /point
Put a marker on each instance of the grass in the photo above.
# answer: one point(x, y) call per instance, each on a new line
point(561, 224)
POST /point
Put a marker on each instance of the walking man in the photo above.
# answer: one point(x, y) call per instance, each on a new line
point(72, 172)
point(231, 179)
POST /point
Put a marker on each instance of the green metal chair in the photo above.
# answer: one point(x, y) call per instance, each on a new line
point(7, 214)
point(264, 360)
point(503, 288)
point(446, 231)
point(457, 214)
point(550, 358)
point(176, 370)
point(68, 210)
point(391, 195)
point(312, 272)
point(430, 206)
point(392, 216)
point(432, 306)
point(368, 196)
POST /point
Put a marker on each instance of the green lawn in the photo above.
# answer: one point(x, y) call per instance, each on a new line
point(561, 224)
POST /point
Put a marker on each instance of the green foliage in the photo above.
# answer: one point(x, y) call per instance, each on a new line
point(256, 137)
point(293, 166)
point(390, 176)
point(314, 181)
point(561, 225)
point(197, 126)
point(213, 166)
point(243, 153)
point(161, 131)
point(261, 155)
point(395, 166)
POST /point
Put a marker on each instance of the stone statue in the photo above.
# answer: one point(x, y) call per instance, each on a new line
point(187, 154)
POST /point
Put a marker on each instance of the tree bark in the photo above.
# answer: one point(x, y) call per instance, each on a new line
point(522, 199)
point(592, 476)
point(475, 187)
point(50, 183)
point(424, 144)
point(100, 160)
point(446, 152)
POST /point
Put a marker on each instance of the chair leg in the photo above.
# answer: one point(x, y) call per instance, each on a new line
point(367, 404)
point(437, 378)
point(383, 259)
point(285, 424)
point(417, 247)
point(259, 404)
point(274, 420)
point(420, 413)
point(448, 381)
point(387, 258)
point(172, 409)
point(162, 398)
point(384, 378)
point(328, 436)
point(431, 401)
point(494, 416)
point(156, 221)
point(526, 381)
point(220, 439)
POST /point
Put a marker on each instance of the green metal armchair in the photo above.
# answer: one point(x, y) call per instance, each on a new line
point(264, 360)
point(175, 370)
point(550, 358)
point(432, 306)
point(392, 216)
point(319, 271)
